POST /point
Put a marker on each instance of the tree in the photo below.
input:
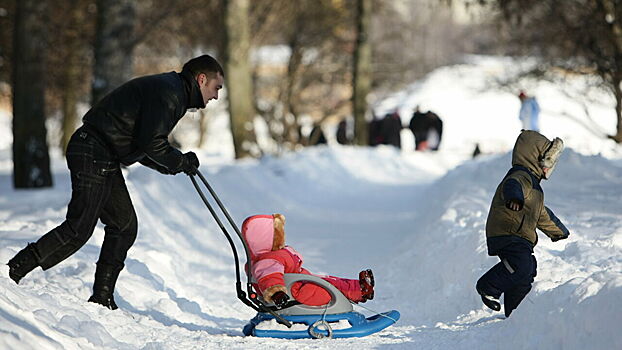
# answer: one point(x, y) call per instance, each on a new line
point(313, 83)
point(31, 162)
point(239, 77)
point(580, 36)
point(361, 77)
point(7, 25)
point(114, 46)
point(68, 65)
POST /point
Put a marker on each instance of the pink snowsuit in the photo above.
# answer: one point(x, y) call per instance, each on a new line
point(268, 266)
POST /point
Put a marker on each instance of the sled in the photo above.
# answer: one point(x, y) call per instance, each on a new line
point(321, 321)
point(337, 319)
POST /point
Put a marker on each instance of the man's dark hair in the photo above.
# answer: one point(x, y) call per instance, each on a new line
point(205, 64)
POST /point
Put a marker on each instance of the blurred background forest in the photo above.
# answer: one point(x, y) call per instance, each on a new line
point(292, 64)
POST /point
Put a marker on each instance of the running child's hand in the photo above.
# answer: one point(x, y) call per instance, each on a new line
point(514, 204)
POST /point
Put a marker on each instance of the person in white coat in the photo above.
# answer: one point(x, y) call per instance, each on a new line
point(529, 112)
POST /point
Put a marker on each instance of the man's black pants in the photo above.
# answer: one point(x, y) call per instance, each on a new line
point(512, 276)
point(98, 192)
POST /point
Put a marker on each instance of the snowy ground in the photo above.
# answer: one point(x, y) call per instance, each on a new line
point(417, 219)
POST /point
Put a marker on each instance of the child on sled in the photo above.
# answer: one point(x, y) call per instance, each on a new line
point(271, 258)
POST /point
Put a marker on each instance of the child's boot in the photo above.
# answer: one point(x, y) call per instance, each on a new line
point(489, 300)
point(366, 280)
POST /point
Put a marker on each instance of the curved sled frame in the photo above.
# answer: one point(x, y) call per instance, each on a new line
point(338, 303)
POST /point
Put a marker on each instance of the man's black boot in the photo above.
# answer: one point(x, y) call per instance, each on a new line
point(103, 288)
point(23, 262)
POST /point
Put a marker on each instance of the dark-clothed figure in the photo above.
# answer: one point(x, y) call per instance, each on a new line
point(435, 131)
point(342, 133)
point(390, 130)
point(316, 137)
point(375, 136)
point(517, 210)
point(427, 128)
point(418, 126)
point(131, 124)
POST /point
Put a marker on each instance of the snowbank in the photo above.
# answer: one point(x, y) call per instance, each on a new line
point(576, 296)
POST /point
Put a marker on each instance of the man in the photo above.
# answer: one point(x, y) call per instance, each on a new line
point(391, 128)
point(427, 128)
point(342, 133)
point(418, 126)
point(131, 124)
point(529, 112)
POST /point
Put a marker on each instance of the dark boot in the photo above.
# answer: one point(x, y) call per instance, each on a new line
point(366, 280)
point(489, 300)
point(103, 288)
point(23, 262)
point(514, 297)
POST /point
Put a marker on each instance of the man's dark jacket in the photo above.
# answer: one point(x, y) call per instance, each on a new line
point(135, 119)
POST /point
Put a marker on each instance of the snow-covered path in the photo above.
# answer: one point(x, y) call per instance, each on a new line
point(421, 234)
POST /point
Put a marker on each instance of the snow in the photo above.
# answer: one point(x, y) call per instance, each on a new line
point(416, 218)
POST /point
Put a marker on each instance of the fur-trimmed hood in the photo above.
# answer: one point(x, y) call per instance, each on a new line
point(258, 232)
point(264, 233)
point(534, 151)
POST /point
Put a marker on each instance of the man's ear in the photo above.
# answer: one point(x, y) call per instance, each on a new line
point(279, 232)
point(201, 78)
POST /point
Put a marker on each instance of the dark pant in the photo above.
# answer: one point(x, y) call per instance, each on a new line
point(512, 276)
point(98, 192)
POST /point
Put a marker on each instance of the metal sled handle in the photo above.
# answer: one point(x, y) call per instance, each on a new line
point(254, 301)
point(218, 221)
point(226, 213)
point(337, 305)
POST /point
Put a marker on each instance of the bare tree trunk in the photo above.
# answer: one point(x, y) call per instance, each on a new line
point(290, 125)
point(361, 78)
point(114, 46)
point(31, 161)
point(69, 100)
point(239, 80)
point(203, 128)
point(70, 77)
point(618, 96)
point(612, 7)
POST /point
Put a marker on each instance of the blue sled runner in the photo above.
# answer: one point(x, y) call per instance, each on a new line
point(319, 325)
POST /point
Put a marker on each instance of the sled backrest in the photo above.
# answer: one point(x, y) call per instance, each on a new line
point(338, 303)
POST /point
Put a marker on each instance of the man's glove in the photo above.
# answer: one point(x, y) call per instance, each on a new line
point(189, 163)
point(280, 299)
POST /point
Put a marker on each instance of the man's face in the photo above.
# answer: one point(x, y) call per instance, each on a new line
point(210, 87)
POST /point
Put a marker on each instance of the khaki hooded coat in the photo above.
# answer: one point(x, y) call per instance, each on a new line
point(522, 184)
